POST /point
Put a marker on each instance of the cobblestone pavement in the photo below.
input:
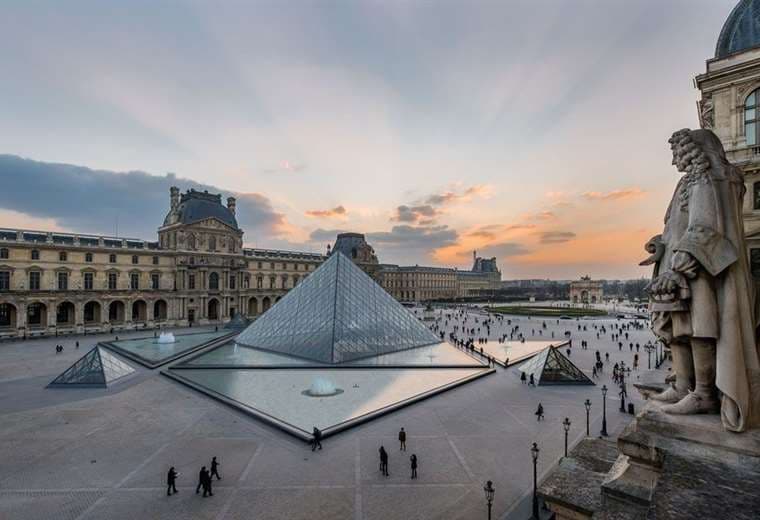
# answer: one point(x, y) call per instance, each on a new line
point(94, 454)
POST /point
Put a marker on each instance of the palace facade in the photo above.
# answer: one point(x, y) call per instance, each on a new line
point(198, 272)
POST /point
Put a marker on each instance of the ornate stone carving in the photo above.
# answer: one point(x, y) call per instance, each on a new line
point(700, 297)
point(706, 113)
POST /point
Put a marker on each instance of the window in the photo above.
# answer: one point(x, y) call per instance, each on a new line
point(259, 263)
point(35, 254)
point(135, 259)
point(756, 195)
point(5, 281)
point(112, 259)
point(134, 281)
point(63, 281)
point(4, 253)
point(191, 281)
point(88, 257)
point(271, 265)
point(154, 279)
point(88, 278)
point(751, 119)
point(155, 260)
point(284, 281)
point(213, 281)
point(212, 243)
point(62, 256)
point(259, 282)
point(34, 281)
point(112, 281)
point(232, 281)
point(272, 282)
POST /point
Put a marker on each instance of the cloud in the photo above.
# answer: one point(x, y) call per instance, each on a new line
point(92, 201)
point(414, 214)
point(337, 211)
point(449, 197)
point(500, 250)
point(325, 235)
point(286, 166)
point(625, 193)
point(414, 238)
point(555, 237)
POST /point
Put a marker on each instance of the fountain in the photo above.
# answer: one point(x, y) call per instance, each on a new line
point(322, 387)
point(166, 337)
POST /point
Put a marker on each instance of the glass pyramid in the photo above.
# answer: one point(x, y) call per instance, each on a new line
point(96, 368)
point(551, 367)
point(337, 314)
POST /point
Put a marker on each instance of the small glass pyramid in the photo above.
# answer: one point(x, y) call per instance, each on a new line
point(551, 367)
point(337, 314)
point(96, 368)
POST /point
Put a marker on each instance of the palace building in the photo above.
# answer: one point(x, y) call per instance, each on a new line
point(197, 273)
point(729, 105)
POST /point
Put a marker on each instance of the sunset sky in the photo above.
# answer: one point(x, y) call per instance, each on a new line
point(534, 131)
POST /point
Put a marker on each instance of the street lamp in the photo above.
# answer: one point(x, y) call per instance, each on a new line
point(587, 404)
point(489, 491)
point(566, 424)
point(603, 433)
point(534, 453)
point(649, 348)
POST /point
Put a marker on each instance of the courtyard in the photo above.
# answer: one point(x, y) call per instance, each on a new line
point(104, 453)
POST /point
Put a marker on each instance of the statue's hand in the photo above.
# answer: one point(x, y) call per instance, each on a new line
point(685, 263)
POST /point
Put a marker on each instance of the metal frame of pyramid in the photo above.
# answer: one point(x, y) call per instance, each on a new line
point(97, 368)
point(552, 367)
point(336, 314)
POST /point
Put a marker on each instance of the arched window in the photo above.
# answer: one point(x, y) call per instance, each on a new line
point(751, 117)
point(213, 281)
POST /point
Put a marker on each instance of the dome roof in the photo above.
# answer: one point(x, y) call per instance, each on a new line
point(196, 206)
point(741, 30)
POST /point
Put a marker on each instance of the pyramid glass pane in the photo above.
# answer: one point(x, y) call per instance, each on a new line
point(113, 368)
point(552, 367)
point(336, 314)
point(96, 368)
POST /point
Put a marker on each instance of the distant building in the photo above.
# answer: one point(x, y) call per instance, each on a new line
point(586, 291)
point(355, 247)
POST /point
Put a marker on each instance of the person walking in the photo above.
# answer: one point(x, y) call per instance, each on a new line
point(215, 469)
point(532, 381)
point(402, 440)
point(317, 440)
point(523, 378)
point(201, 481)
point(171, 481)
point(413, 461)
point(383, 461)
point(539, 412)
point(206, 479)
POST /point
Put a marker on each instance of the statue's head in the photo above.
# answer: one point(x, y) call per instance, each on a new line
point(693, 149)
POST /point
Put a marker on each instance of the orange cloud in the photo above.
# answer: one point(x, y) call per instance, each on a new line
point(625, 193)
point(337, 211)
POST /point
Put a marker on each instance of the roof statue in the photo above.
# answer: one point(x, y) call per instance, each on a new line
point(551, 367)
point(97, 368)
point(336, 314)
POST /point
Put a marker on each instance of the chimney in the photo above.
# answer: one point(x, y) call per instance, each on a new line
point(231, 204)
point(174, 197)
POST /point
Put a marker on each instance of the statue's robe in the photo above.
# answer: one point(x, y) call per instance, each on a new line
point(704, 219)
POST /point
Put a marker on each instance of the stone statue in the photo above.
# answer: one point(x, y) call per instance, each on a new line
point(701, 294)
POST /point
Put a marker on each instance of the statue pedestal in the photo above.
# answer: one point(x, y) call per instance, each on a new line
point(667, 466)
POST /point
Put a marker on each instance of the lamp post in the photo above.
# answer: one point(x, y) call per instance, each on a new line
point(603, 433)
point(566, 425)
point(649, 348)
point(534, 454)
point(587, 404)
point(489, 491)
